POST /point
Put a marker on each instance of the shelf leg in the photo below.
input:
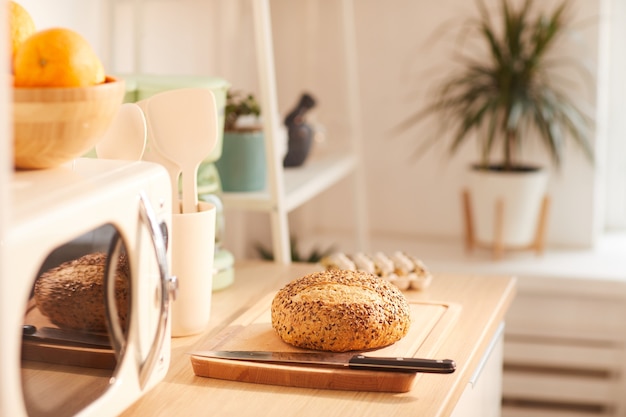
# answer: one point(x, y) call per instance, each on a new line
point(468, 220)
point(355, 122)
point(540, 237)
point(498, 245)
point(271, 128)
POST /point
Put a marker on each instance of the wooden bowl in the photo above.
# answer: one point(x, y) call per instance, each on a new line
point(55, 125)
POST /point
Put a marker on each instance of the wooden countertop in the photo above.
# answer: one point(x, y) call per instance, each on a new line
point(484, 301)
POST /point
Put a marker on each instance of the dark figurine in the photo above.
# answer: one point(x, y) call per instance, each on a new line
point(300, 133)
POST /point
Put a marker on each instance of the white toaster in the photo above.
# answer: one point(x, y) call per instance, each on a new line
point(56, 359)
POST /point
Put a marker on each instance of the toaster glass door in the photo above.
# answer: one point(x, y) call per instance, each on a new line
point(76, 323)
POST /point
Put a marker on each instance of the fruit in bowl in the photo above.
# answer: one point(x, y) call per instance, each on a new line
point(62, 101)
point(21, 26)
point(56, 57)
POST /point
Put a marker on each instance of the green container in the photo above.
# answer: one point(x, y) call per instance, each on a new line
point(242, 166)
point(131, 89)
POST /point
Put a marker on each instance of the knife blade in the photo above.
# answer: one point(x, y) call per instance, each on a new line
point(345, 360)
point(58, 336)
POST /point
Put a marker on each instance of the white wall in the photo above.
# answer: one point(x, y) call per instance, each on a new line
point(88, 17)
point(397, 56)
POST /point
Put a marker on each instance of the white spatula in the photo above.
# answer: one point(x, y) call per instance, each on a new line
point(152, 154)
point(126, 137)
point(184, 129)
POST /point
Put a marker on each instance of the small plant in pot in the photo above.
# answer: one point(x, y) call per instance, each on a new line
point(242, 166)
point(504, 101)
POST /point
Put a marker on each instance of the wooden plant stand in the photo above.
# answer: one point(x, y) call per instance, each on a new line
point(498, 247)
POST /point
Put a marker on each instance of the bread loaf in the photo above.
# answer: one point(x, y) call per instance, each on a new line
point(71, 295)
point(340, 310)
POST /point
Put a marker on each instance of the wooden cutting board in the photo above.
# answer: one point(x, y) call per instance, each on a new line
point(431, 322)
point(60, 351)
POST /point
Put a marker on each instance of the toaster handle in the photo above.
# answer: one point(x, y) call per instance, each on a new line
point(116, 333)
point(168, 287)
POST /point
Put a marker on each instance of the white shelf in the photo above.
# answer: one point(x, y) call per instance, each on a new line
point(289, 188)
point(300, 184)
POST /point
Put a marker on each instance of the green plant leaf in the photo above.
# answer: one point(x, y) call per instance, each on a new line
point(239, 104)
point(314, 256)
point(511, 95)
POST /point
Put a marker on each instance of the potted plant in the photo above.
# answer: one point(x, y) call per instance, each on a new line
point(242, 166)
point(504, 101)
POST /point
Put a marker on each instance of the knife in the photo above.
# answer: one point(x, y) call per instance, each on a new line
point(346, 360)
point(56, 336)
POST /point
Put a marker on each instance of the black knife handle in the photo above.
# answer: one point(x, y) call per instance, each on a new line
point(440, 366)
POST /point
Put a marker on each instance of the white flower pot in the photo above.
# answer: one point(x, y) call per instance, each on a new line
point(521, 195)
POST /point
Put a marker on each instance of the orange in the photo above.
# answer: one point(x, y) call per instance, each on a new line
point(21, 26)
point(57, 57)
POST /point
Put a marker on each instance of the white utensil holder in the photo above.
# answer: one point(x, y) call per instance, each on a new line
point(193, 250)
